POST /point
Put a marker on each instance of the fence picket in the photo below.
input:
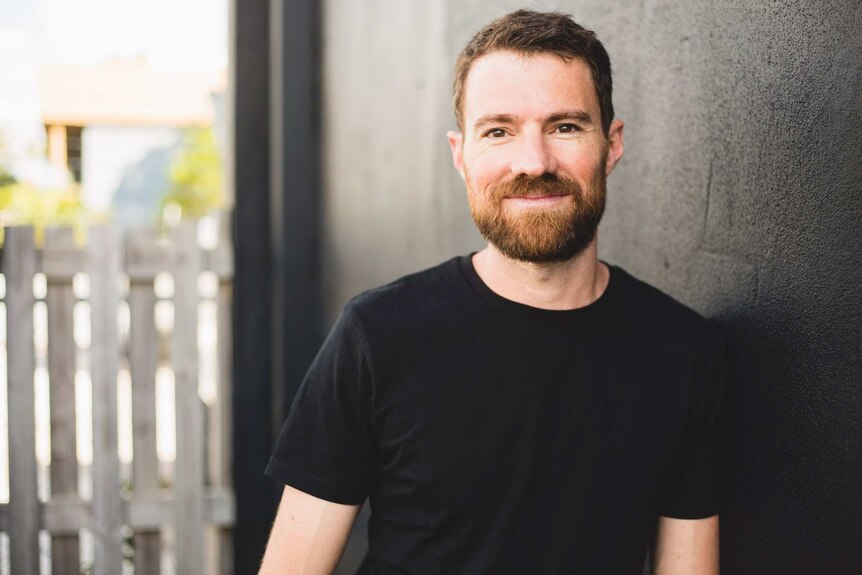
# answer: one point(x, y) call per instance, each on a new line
point(60, 300)
point(19, 267)
point(104, 271)
point(143, 363)
point(189, 478)
point(221, 414)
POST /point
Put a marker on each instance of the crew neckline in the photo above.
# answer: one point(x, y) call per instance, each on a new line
point(487, 294)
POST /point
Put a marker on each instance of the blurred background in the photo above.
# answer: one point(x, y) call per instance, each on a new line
point(110, 107)
point(317, 130)
point(112, 112)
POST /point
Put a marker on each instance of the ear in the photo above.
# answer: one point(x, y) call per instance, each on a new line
point(615, 145)
point(456, 144)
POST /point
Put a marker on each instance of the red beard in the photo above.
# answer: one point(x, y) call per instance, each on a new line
point(540, 234)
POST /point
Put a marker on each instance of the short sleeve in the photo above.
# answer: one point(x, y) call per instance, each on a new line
point(692, 488)
point(326, 447)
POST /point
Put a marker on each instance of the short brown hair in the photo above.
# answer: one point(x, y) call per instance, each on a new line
point(531, 32)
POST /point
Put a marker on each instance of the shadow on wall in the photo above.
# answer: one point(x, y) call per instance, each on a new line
point(785, 132)
point(741, 194)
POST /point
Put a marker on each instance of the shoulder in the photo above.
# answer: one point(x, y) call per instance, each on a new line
point(661, 315)
point(414, 300)
point(677, 337)
point(409, 290)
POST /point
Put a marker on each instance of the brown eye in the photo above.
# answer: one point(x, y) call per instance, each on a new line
point(496, 133)
point(567, 128)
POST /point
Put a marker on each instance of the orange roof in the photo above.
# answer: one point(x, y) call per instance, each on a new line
point(127, 92)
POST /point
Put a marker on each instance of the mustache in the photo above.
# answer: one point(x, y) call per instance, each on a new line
point(544, 185)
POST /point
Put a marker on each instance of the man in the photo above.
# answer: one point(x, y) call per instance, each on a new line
point(527, 409)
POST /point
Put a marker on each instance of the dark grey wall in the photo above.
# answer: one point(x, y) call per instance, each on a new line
point(740, 193)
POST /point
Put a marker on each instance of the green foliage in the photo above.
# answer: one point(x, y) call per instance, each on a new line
point(24, 205)
point(197, 182)
point(6, 179)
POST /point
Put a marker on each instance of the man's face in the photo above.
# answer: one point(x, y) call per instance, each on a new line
point(533, 154)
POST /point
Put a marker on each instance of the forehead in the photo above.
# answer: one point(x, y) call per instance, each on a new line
point(528, 85)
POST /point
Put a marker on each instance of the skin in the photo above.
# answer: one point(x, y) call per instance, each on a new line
point(522, 115)
point(308, 536)
point(686, 546)
point(534, 115)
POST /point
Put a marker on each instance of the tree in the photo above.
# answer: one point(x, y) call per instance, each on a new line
point(6, 179)
point(196, 179)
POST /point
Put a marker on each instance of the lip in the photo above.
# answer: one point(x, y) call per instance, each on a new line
point(536, 200)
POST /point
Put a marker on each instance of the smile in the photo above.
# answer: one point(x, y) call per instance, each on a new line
point(535, 200)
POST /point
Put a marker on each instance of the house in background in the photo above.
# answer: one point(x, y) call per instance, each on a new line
point(116, 128)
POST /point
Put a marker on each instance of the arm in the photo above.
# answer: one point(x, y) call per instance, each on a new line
point(308, 536)
point(686, 547)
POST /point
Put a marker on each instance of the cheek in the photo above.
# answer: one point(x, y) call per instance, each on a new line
point(582, 164)
point(486, 168)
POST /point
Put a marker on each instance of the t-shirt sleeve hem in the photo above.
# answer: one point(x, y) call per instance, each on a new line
point(322, 489)
point(690, 513)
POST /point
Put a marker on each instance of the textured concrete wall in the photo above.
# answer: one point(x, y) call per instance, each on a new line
point(740, 193)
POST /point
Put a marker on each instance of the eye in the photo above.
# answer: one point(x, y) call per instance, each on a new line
point(495, 133)
point(568, 128)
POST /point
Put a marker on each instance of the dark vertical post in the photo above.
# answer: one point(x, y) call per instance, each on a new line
point(295, 193)
point(256, 495)
point(277, 302)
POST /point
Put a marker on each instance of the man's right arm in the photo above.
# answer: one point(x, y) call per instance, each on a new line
point(308, 536)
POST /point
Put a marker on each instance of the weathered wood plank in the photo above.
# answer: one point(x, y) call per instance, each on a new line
point(60, 300)
point(143, 363)
point(66, 515)
point(147, 254)
point(104, 270)
point(155, 508)
point(221, 427)
point(19, 266)
point(69, 514)
point(220, 262)
point(220, 259)
point(62, 258)
point(189, 477)
point(220, 471)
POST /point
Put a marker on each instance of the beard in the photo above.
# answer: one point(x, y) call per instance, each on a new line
point(540, 234)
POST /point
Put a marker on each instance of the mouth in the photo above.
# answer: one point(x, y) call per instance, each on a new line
point(536, 200)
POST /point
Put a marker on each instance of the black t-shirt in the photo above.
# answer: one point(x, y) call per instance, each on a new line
point(493, 437)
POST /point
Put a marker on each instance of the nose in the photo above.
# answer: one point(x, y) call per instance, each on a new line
point(532, 157)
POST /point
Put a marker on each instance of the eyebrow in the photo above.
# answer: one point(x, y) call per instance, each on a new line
point(573, 114)
point(493, 119)
point(577, 115)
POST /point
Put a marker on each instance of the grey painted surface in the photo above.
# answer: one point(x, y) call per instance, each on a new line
point(740, 194)
point(393, 203)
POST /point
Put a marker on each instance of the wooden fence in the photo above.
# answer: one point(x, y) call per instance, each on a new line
point(139, 516)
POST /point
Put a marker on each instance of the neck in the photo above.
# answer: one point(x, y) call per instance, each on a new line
point(571, 284)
